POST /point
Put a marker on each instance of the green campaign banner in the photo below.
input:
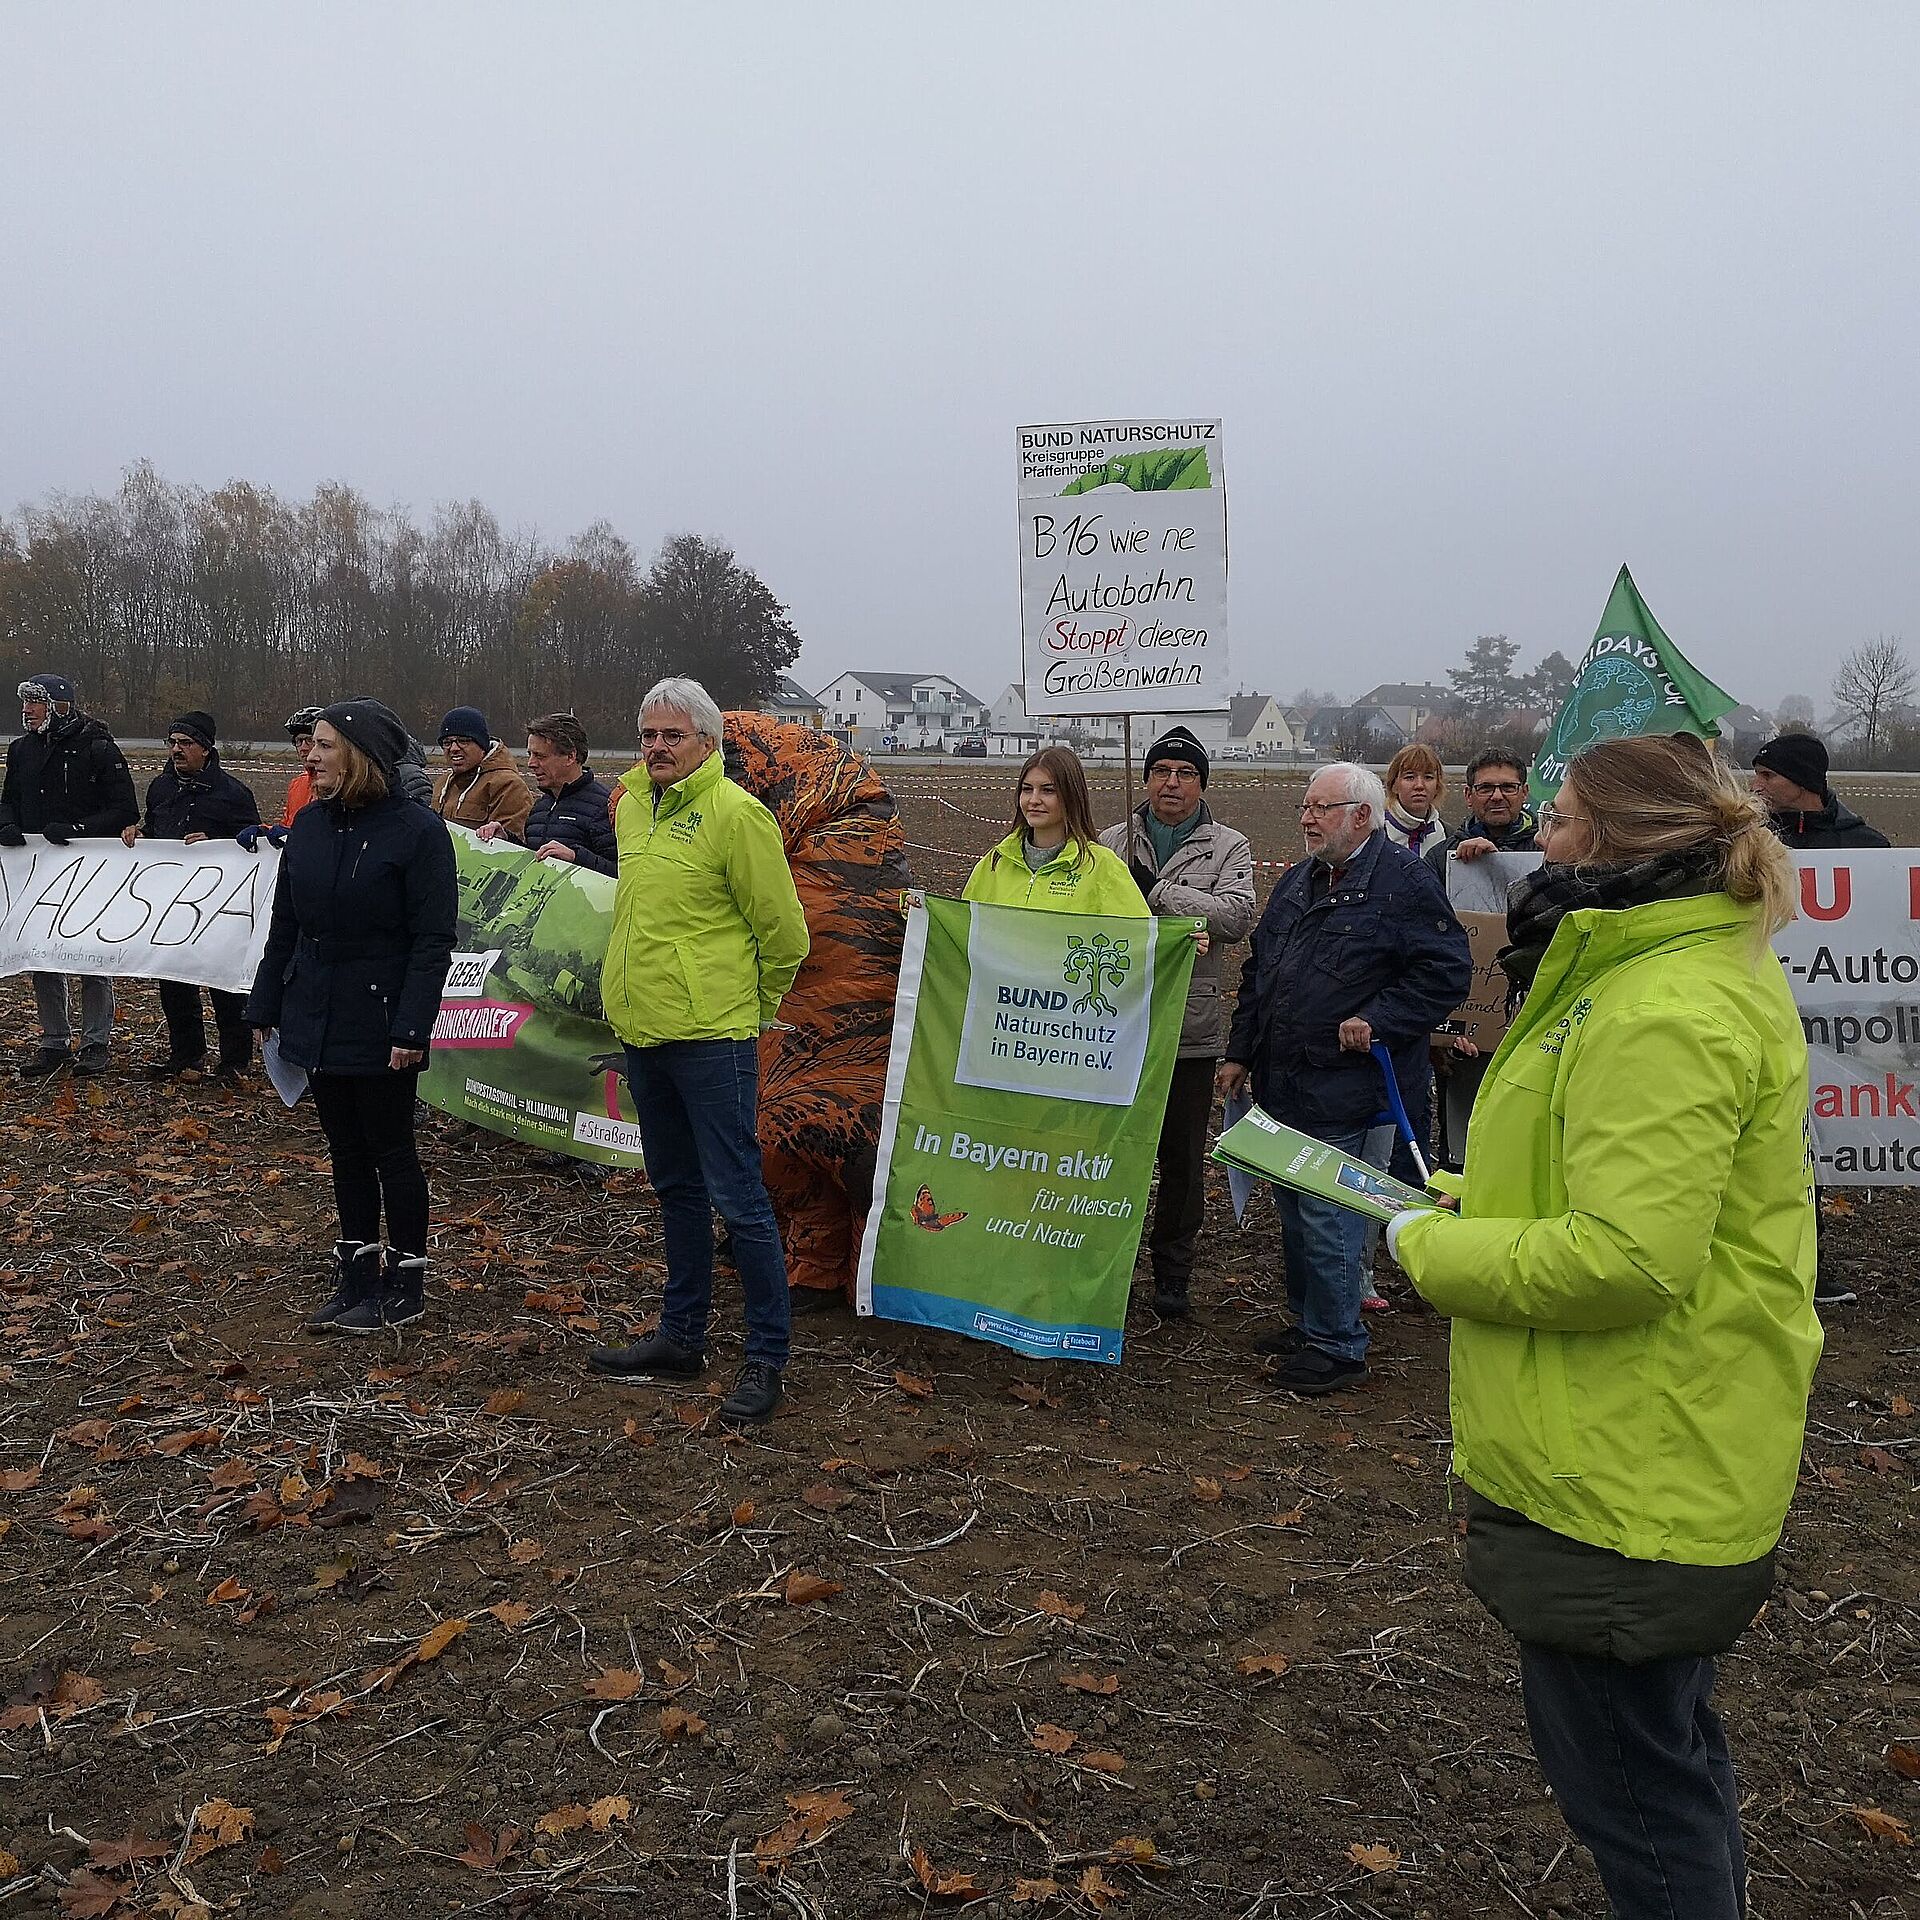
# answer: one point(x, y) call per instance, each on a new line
point(1631, 680)
point(1025, 1089)
point(1264, 1147)
point(521, 1043)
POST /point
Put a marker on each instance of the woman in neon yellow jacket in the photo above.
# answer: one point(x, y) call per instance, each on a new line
point(1053, 858)
point(1630, 1279)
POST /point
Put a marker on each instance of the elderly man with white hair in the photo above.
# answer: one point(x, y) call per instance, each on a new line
point(707, 937)
point(1357, 945)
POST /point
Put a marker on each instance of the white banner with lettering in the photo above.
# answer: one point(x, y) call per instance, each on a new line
point(160, 910)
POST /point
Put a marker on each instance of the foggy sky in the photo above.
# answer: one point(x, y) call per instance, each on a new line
point(1489, 298)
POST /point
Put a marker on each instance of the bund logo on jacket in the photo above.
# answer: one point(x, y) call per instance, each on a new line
point(685, 827)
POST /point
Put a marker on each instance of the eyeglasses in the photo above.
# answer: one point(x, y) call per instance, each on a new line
point(1552, 816)
point(1496, 786)
point(1319, 809)
point(179, 741)
point(664, 736)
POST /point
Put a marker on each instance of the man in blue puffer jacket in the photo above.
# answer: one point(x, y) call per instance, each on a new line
point(1357, 945)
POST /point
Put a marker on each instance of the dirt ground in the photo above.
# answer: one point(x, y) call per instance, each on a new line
point(439, 1623)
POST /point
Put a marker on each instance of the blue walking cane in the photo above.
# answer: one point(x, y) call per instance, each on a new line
point(1397, 1113)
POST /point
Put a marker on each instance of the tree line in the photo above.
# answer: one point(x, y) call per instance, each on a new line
point(161, 597)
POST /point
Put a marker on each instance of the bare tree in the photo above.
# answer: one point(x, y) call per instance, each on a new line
point(1875, 683)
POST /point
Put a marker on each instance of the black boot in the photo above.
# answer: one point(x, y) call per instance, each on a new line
point(356, 1274)
point(397, 1301)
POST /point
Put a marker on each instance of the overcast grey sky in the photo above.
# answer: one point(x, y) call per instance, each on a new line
point(1489, 297)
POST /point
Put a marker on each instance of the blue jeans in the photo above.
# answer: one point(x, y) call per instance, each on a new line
point(1325, 1249)
point(696, 1103)
point(1637, 1759)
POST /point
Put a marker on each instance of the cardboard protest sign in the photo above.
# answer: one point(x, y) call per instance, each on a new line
point(1482, 1016)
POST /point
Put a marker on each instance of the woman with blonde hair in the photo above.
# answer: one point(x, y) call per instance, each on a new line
point(1415, 781)
point(1053, 857)
point(1630, 1277)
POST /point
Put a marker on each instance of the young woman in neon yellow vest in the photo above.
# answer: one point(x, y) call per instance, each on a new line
point(1052, 858)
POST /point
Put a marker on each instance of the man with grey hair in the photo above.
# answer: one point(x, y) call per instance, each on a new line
point(1357, 945)
point(707, 937)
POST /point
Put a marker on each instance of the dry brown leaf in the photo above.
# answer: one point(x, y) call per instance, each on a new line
point(116, 1853)
point(75, 1692)
point(229, 1475)
point(1883, 1826)
point(1133, 1850)
point(743, 1514)
point(1293, 1517)
point(1031, 1396)
point(512, 1613)
point(802, 1589)
point(1904, 1760)
point(942, 1886)
point(824, 1497)
point(1099, 1892)
point(1879, 1459)
point(1902, 1407)
point(485, 1853)
point(614, 1683)
point(359, 1467)
point(1060, 1607)
point(1103, 1760)
point(272, 1860)
point(176, 1444)
point(1091, 1682)
point(218, 1824)
point(915, 1386)
point(1047, 1738)
point(1254, 1664)
point(607, 1809)
point(1031, 1892)
point(1375, 1857)
point(227, 1592)
point(568, 1819)
point(673, 1678)
point(9, 1864)
point(86, 1896)
point(438, 1639)
point(1205, 1490)
point(677, 1723)
point(19, 1479)
point(504, 1400)
point(523, 1553)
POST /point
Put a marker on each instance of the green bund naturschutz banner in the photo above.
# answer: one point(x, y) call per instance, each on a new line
point(1631, 680)
point(521, 1044)
point(1025, 1089)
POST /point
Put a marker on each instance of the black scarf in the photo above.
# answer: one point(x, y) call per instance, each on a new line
point(1538, 903)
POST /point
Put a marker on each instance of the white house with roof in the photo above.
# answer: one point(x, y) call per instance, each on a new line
point(1258, 725)
point(916, 711)
point(1404, 708)
point(789, 700)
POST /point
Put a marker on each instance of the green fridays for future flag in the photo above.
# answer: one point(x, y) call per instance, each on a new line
point(1631, 680)
point(1025, 1088)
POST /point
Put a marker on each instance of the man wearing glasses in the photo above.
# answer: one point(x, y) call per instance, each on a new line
point(707, 936)
point(1357, 945)
point(1498, 820)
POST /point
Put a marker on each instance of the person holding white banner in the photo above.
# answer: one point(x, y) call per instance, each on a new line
point(1630, 1280)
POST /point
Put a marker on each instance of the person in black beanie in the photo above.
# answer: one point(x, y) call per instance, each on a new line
point(1191, 865)
point(363, 929)
point(194, 798)
point(1790, 775)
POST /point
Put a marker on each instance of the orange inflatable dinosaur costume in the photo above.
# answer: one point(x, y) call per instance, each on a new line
point(821, 1083)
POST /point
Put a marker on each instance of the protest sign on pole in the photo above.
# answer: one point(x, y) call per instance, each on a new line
point(159, 910)
point(1025, 1087)
point(521, 1044)
point(1631, 680)
point(1123, 566)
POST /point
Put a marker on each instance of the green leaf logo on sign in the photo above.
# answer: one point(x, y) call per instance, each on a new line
point(1099, 962)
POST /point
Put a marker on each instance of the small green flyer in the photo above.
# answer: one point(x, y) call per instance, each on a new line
point(1259, 1145)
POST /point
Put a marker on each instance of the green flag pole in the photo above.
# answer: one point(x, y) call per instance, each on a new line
point(1632, 680)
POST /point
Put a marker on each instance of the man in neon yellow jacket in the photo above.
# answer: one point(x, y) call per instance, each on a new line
point(707, 936)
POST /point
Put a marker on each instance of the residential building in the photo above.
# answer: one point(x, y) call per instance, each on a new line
point(1013, 731)
point(1258, 726)
point(789, 700)
point(1403, 708)
point(914, 712)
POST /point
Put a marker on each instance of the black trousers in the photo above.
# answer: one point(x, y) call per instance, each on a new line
point(368, 1121)
point(187, 1031)
point(1638, 1761)
point(1182, 1204)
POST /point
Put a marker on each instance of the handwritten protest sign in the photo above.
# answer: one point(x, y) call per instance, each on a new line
point(160, 910)
point(1123, 566)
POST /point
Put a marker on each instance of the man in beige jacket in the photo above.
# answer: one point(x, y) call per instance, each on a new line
point(481, 784)
point(1188, 864)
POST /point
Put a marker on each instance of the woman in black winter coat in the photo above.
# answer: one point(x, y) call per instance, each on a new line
point(363, 928)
